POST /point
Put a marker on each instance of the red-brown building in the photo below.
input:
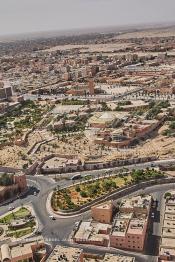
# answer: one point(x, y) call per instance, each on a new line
point(103, 213)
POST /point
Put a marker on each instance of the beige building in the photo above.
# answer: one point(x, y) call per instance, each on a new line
point(27, 251)
point(71, 254)
point(167, 243)
point(126, 230)
point(129, 232)
point(106, 119)
point(107, 258)
point(103, 213)
point(137, 204)
point(63, 253)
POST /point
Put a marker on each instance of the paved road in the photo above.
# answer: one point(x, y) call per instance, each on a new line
point(57, 231)
point(90, 97)
point(96, 173)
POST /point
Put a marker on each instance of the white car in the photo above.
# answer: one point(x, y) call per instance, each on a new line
point(11, 208)
point(52, 217)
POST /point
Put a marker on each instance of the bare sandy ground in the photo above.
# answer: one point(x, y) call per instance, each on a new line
point(79, 145)
point(91, 48)
point(149, 33)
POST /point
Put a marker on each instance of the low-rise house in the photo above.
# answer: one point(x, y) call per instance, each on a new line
point(103, 213)
point(167, 243)
point(33, 250)
point(127, 229)
point(63, 253)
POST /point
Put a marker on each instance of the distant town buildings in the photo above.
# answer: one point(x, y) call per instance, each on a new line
point(5, 91)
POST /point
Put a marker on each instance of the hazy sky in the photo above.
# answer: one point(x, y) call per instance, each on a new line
point(18, 16)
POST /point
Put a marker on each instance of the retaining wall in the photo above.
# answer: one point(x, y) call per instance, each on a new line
point(118, 193)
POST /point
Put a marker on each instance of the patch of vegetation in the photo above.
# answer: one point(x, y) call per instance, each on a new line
point(118, 108)
point(25, 115)
point(167, 195)
point(144, 175)
point(19, 214)
point(171, 130)
point(20, 233)
point(1, 231)
point(80, 194)
point(155, 109)
point(105, 107)
point(74, 102)
point(124, 103)
point(6, 179)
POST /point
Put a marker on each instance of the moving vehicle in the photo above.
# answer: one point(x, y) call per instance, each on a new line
point(76, 177)
point(52, 217)
point(11, 208)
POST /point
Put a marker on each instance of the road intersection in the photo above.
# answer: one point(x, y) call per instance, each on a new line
point(57, 231)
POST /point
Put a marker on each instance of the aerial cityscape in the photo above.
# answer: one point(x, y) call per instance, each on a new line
point(87, 137)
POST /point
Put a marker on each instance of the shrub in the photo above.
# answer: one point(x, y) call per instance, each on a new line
point(77, 188)
point(83, 194)
point(167, 195)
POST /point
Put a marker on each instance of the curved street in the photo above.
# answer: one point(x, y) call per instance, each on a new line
point(57, 231)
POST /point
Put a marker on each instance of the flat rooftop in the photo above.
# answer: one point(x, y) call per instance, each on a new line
point(136, 226)
point(110, 258)
point(170, 209)
point(17, 250)
point(107, 205)
point(167, 251)
point(123, 215)
point(169, 217)
point(118, 258)
point(106, 117)
point(84, 230)
point(167, 223)
point(120, 227)
point(60, 109)
point(167, 242)
point(57, 162)
point(62, 253)
point(169, 232)
point(137, 201)
point(89, 230)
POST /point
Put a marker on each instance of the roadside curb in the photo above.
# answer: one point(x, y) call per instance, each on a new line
point(122, 193)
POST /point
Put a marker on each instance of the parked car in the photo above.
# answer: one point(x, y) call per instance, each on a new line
point(152, 215)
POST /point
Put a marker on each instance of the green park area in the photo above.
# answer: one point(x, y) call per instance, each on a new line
point(23, 216)
point(89, 190)
point(25, 116)
point(19, 214)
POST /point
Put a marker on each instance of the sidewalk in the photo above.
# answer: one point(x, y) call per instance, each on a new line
point(10, 200)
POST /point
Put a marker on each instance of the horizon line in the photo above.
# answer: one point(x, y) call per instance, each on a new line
point(79, 31)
